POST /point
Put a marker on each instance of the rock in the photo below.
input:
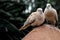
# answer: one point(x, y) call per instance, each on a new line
point(44, 32)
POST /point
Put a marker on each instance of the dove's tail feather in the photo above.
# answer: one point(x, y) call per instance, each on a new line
point(24, 27)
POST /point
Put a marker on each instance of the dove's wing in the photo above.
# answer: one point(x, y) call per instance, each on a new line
point(28, 22)
point(56, 15)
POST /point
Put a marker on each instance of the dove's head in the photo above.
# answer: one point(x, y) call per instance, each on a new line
point(39, 10)
point(48, 5)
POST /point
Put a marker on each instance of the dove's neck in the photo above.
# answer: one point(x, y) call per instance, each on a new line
point(41, 12)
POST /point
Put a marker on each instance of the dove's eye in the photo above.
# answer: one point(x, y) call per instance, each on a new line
point(39, 10)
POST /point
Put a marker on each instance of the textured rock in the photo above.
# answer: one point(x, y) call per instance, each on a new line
point(45, 32)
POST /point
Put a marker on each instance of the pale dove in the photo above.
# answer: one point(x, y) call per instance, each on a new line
point(35, 19)
point(51, 15)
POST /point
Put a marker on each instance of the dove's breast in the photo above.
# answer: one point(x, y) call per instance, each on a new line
point(50, 16)
point(39, 20)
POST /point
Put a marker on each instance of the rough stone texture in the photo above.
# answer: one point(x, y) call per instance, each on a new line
point(45, 32)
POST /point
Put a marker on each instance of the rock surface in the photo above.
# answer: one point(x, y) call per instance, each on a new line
point(45, 32)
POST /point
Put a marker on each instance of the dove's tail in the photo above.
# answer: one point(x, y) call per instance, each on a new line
point(24, 27)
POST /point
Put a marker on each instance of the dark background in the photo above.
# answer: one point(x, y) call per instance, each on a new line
point(13, 14)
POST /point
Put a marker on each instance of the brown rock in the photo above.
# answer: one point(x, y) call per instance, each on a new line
point(45, 32)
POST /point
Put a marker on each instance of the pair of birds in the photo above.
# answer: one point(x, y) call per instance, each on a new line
point(37, 18)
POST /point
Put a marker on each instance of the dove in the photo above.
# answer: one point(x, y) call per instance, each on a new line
point(51, 15)
point(35, 19)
